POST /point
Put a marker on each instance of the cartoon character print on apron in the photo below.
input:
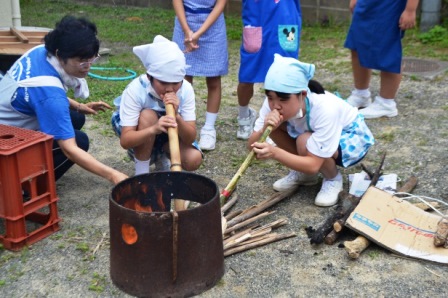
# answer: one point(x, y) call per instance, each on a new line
point(288, 37)
point(270, 26)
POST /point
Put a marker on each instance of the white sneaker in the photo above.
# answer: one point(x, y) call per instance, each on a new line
point(294, 179)
point(208, 139)
point(246, 125)
point(359, 101)
point(377, 109)
point(328, 194)
point(162, 163)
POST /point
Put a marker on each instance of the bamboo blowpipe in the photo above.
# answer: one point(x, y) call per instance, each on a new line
point(176, 165)
point(226, 192)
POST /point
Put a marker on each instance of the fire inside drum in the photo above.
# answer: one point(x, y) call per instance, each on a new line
point(158, 253)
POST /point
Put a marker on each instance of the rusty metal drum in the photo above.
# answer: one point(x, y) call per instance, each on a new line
point(155, 252)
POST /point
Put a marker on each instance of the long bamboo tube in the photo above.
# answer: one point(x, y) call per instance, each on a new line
point(226, 192)
point(176, 165)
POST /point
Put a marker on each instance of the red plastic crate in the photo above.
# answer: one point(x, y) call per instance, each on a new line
point(26, 167)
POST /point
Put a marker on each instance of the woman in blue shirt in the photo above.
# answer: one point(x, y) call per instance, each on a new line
point(34, 94)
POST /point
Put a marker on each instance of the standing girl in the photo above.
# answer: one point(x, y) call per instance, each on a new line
point(200, 31)
point(269, 27)
point(313, 132)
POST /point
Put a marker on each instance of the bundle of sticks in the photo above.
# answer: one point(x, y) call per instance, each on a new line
point(242, 232)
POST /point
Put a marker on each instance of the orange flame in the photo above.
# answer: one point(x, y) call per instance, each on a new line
point(140, 207)
point(160, 200)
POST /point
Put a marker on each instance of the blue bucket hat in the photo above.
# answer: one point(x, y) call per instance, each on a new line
point(288, 75)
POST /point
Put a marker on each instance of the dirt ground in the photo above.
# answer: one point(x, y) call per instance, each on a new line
point(74, 262)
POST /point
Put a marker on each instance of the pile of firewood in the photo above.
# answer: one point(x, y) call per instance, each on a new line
point(333, 227)
point(242, 232)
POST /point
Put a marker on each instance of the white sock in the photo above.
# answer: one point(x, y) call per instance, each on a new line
point(386, 101)
point(210, 119)
point(141, 166)
point(361, 92)
point(243, 112)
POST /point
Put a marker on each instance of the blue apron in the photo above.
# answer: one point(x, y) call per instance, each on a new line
point(374, 34)
point(270, 26)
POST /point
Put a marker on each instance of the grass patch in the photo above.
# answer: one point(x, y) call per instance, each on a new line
point(98, 282)
point(386, 136)
point(373, 254)
point(83, 247)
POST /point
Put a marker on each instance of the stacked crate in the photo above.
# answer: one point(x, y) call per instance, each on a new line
point(28, 211)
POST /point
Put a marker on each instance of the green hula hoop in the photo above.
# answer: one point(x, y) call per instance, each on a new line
point(96, 76)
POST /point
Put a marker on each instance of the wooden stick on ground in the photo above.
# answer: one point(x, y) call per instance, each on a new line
point(408, 186)
point(441, 235)
point(230, 238)
point(272, 238)
point(229, 204)
point(248, 238)
point(256, 209)
point(331, 237)
point(355, 247)
point(233, 214)
point(254, 234)
point(247, 222)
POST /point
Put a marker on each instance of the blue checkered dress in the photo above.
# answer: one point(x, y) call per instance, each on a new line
point(211, 59)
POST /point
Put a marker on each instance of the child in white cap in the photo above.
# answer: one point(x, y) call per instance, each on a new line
point(313, 132)
point(141, 121)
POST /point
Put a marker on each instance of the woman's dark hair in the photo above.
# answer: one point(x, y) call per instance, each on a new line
point(73, 37)
point(314, 86)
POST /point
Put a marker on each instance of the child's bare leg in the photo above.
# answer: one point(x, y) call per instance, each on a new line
point(244, 91)
point(214, 94)
point(294, 146)
point(191, 158)
point(361, 75)
point(390, 82)
point(328, 169)
point(147, 118)
point(208, 133)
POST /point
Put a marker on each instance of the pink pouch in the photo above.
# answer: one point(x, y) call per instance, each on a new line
point(252, 37)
